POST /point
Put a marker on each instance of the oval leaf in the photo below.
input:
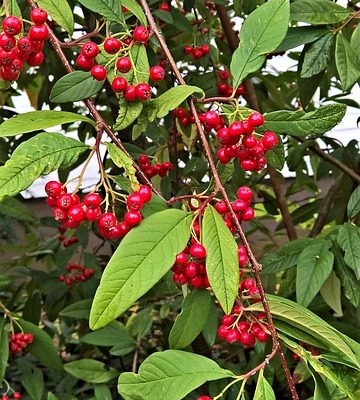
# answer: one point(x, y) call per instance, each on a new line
point(349, 240)
point(110, 9)
point(169, 372)
point(142, 259)
point(222, 265)
point(60, 12)
point(128, 113)
point(111, 335)
point(91, 371)
point(353, 207)
point(346, 62)
point(190, 322)
point(134, 8)
point(37, 156)
point(77, 85)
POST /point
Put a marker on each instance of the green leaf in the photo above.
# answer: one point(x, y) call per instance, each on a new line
point(4, 348)
point(14, 8)
point(128, 113)
point(134, 8)
point(190, 322)
point(318, 12)
point(346, 62)
point(14, 208)
point(263, 389)
point(140, 64)
point(78, 310)
point(321, 392)
point(303, 319)
point(284, 258)
point(317, 56)
point(143, 257)
point(102, 392)
point(169, 372)
point(299, 123)
point(313, 268)
point(276, 156)
point(331, 293)
point(60, 12)
point(91, 371)
point(42, 346)
point(349, 240)
point(37, 156)
point(355, 39)
point(120, 159)
point(37, 120)
point(172, 98)
point(111, 335)
point(262, 32)
point(33, 382)
point(353, 207)
point(155, 205)
point(77, 85)
point(110, 9)
point(301, 35)
point(222, 265)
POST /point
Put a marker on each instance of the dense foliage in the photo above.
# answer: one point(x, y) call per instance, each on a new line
point(145, 285)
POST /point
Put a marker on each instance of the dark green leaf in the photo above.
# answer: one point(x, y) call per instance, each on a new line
point(14, 208)
point(143, 257)
point(318, 12)
point(346, 62)
point(172, 371)
point(349, 240)
point(222, 265)
point(331, 293)
point(102, 392)
point(301, 35)
point(33, 382)
point(128, 113)
point(4, 348)
point(190, 322)
point(77, 85)
point(60, 12)
point(111, 335)
point(91, 371)
point(78, 310)
point(276, 156)
point(353, 207)
point(110, 9)
point(155, 205)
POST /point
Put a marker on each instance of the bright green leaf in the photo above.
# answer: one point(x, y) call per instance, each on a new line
point(346, 62)
point(102, 392)
point(140, 64)
point(134, 8)
point(318, 12)
point(349, 240)
point(60, 12)
point(263, 389)
point(355, 39)
point(14, 8)
point(128, 113)
point(331, 293)
point(91, 371)
point(110, 9)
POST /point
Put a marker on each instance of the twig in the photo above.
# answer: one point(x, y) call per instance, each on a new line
point(136, 354)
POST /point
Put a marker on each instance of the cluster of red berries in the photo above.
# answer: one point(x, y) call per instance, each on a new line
point(238, 140)
point(224, 89)
point(13, 51)
point(197, 52)
point(76, 273)
point(190, 266)
point(15, 396)
point(108, 225)
point(183, 116)
point(233, 330)
point(18, 341)
point(161, 169)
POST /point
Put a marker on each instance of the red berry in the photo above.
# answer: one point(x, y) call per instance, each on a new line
point(232, 336)
point(7, 42)
point(106, 220)
point(7, 57)
point(145, 193)
point(38, 16)
point(37, 45)
point(92, 200)
point(59, 214)
point(269, 140)
point(221, 207)
point(239, 205)
point(65, 201)
point(224, 75)
point(240, 90)
point(90, 50)
point(76, 214)
point(143, 91)
point(247, 339)
point(134, 202)
point(112, 45)
point(256, 119)
point(222, 88)
point(204, 398)
point(38, 32)
point(249, 141)
point(92, 214)
point(197, 53)
point(133, 218)
point(248, 214)
point(197, 250)
point(205, 49)
point(141, 34)
point(197, 282)
point(53, 188)
point(188, 49)
point(12, 25)
point(227, 320)
point(164, 7)
point(4, 397)
point(248, 283)
point(123, 65)
point(222, 331)
point(98, 72)
point(16, 395)
point(236, 129)
point(212, 118)
point(119, 84)
point(223, 156)
point(244, 193)
point(262, 336)
point(243, 326)
point(157, 73)
point(36, 59)
point(130, 93)
point(24, 45)
point(191, 270)
point(84, 63)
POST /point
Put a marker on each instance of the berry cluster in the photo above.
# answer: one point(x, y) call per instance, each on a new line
point(238, 140)
point(76, 273)
point(233, 330)
point(183, 116)
point(15, 396)
point(161, 169)
point(197, 52)
point(108, 225)
point(224, 89)
point(18, 341)
point(241, 206)
point(14, 51)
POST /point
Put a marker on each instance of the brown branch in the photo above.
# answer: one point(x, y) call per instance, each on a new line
point(79, 40)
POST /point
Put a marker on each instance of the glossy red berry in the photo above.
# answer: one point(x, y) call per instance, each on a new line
point(197, 250)
point(205, 49)
point(248, 214)
point(157, 73)
point(123, 65)
point(244, 193)
point(204, 398)
point(223, 156)
point(112, 45)
point(269, 140)
point(222, 331)
point(232, 336)
point(37, 45)
point(262, 336)
point(143, 91)
point(53, 188)
point(7, 42)
point(134, 202)
point(221, 207)
point(65, 201)
point(84, 63)
point(164, 7)
point(141, 34)
point(36, 59)
point(227, 320)
point(239, 205)
point(92, 200)
point(92, 214)
point(212, 118)
point(16, 395)
point(191, 270)
point(12, 25)
point(119, 84)
point(133, 218)
point(38, 32)
point(90, 50)
point(98, 72)
point(130, 93)
point(76, 214)
point(197, 53)
point(145, 193)
point(249, 141)
point(256, 119)
point(247, 339)
point(106, 221)
point(38, 15)
point(224, 75)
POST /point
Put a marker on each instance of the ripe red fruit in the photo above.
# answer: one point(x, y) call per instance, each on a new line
point(197, 282)
point(247, 339)
point(38, 15)
point(222, 331)
point(17, 395)
point(256, 119)
point(36, 59)
point(197, 53)
point(37, 45)
point(248, 283)
point(84, 63)
point(269, 140)
point(7, 42)
point(236, 129)
point(223, 156)
point(212, 118)
point(53, 188)
point(92, 214)
point(243, 326)
point(65, 201)
point(134, 202)
point(188, 49)
point(197, 250)
point(119, 84)
point(59, 214)
point(222, 88)
point(181, 258)
point(204, 398)
point(221, 207)
point(98, 72)
point(7, 57)
point(112, 45)
point(92, 200)
point(12, 25)
point(232, 336)
point(244, 193)
point(106, 220)
point(262, 336)
point(76, 214)
point(157, 73)
point(145, 193)
point(249, 141)
point(205, 49)
point(224, 75)
point(239, 205)
point(143, 91)
point(191, 270)
point(141, 34)
point(227, 320)
point(38, 32)
point(164, 7)
point(248, 214)
point(130, 93)
point(90, 50)
point(24, 45)
point(133, 218)
point(123, 65)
